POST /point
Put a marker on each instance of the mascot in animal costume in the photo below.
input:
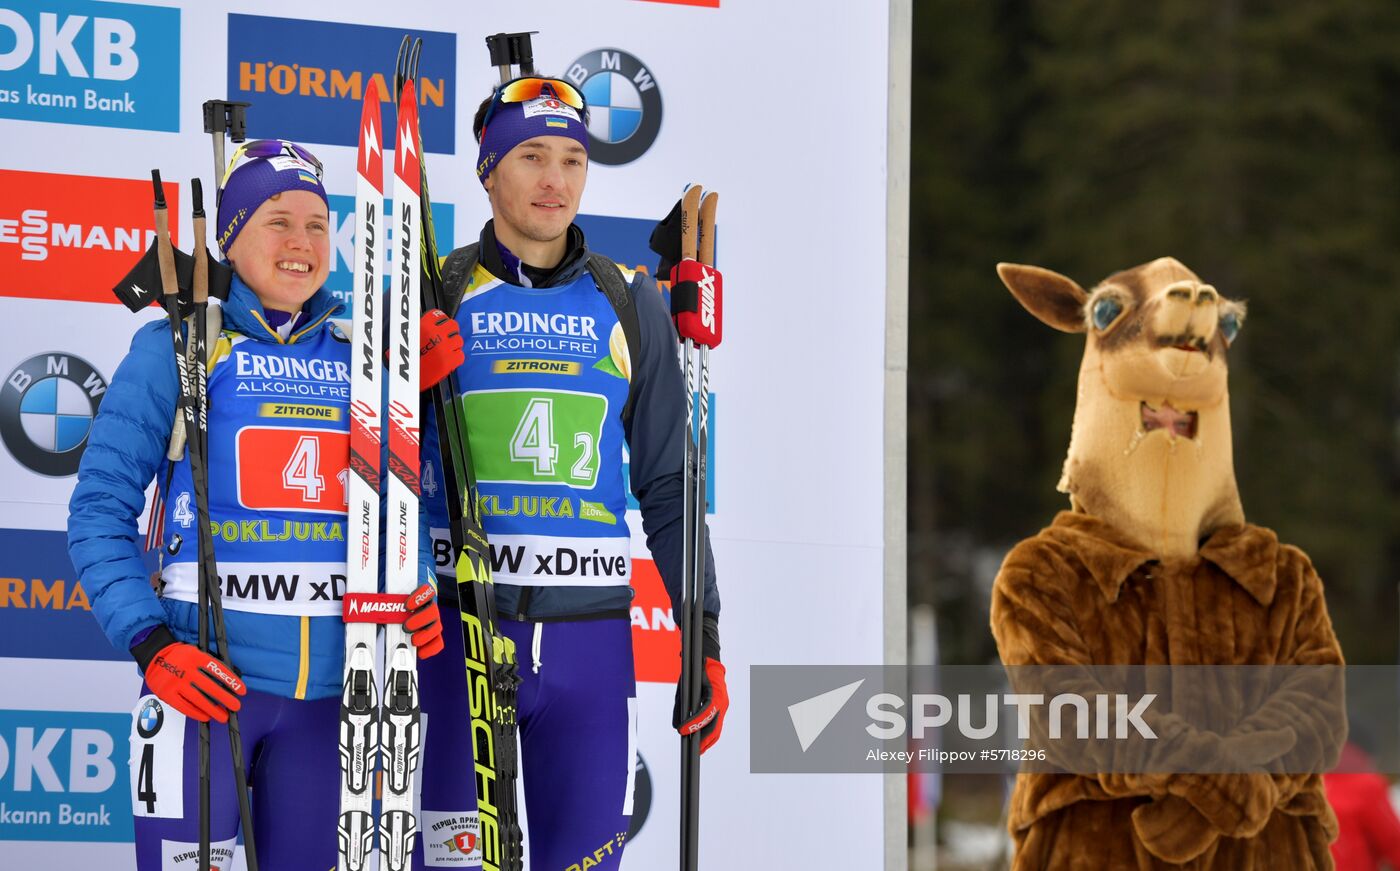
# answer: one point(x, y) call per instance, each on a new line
point(1154, 565)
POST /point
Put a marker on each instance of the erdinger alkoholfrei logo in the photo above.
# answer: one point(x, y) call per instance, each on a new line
point(150, 718)
point(47, 404)
point(624, 104)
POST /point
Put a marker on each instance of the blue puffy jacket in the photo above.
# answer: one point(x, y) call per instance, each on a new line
point(291, 656)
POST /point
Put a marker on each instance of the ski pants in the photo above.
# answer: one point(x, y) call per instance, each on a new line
point(290, 752)
point(577, 714)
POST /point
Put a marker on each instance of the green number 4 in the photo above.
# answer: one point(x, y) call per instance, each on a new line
point(533, 441)
point(539, 419)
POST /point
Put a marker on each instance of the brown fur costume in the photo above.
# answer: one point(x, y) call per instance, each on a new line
point(1156, 566)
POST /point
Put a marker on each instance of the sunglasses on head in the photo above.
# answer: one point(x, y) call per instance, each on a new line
point(532, 88)
point(269, 148)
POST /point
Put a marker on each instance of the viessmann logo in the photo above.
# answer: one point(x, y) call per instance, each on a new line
point(308, 78)
point(72, 237)
point(81, 62)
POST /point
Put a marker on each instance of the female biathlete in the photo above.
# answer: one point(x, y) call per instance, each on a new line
point(278, 427)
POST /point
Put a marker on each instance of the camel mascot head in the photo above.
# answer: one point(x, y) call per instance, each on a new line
point(1150, 451)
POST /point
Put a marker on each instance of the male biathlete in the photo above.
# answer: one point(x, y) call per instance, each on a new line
point(558, 375)
point(278, 426)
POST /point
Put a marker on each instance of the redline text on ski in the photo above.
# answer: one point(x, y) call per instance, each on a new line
point(933, 711)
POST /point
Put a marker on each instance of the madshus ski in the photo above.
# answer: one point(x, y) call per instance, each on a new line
point(380, 722)
point(492, 677)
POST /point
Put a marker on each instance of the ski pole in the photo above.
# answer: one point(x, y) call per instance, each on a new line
point(208, 573)
point(689, 688)
point(695, 302)
point(511, 48)
point(222, 116)
point(170, 287)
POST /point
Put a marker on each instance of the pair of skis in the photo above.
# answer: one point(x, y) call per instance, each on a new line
point(385, 725)
point(491, 670)
point(380, 723)
point(698, 321)
point(191, 365)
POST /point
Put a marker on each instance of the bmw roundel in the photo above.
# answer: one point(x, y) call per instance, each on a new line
point(624, 104)
point(47, 404)
point(149, 718)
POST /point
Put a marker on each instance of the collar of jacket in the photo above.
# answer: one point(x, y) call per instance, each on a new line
point(243, 313)
point(569, 269)
point(1248, 554)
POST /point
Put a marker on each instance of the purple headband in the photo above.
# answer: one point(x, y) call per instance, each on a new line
point(513, 123)
point(256, 181)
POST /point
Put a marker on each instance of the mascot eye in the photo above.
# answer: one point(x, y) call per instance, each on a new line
point(1106, 311)
point(1230, 327)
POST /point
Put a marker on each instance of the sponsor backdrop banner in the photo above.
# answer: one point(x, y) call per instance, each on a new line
point(93, 95)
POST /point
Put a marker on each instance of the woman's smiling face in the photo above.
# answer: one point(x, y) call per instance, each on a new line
point(283, 253)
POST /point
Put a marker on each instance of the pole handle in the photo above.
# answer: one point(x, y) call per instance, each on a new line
point(165, 253)
point(690, 228)
point(708, 206)
point(200, 285)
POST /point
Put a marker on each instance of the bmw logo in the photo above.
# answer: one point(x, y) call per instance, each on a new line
point(47, 404)
point(624, 104)
point(150, 718)
point(641, 798)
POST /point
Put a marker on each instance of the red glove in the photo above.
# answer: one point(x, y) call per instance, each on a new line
point(708, 720)
point(198, 685)
point(424, 621)
point(442, 348)
point(714, 704)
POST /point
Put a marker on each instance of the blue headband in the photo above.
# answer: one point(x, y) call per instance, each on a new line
point(253, 184)
point(513, 123)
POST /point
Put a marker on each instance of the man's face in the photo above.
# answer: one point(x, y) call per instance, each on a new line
point(536, 187)
point(283, 254)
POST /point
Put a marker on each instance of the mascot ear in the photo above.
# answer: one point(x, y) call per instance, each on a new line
point(1058, 301)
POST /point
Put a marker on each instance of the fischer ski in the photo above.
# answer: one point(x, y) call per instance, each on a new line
point(490, 657)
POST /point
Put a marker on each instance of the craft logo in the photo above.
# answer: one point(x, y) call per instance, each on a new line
point(343, 226)
point(47, 404)
point(150, 718)
point(73, 237)
point(82, 62)
point(624, 104)
point(308, 78)
point(63, 776)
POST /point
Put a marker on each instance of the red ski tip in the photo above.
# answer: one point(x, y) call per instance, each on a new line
point(371, 159)
point(406, 138)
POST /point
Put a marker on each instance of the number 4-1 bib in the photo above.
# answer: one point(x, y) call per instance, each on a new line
point(279, 454)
